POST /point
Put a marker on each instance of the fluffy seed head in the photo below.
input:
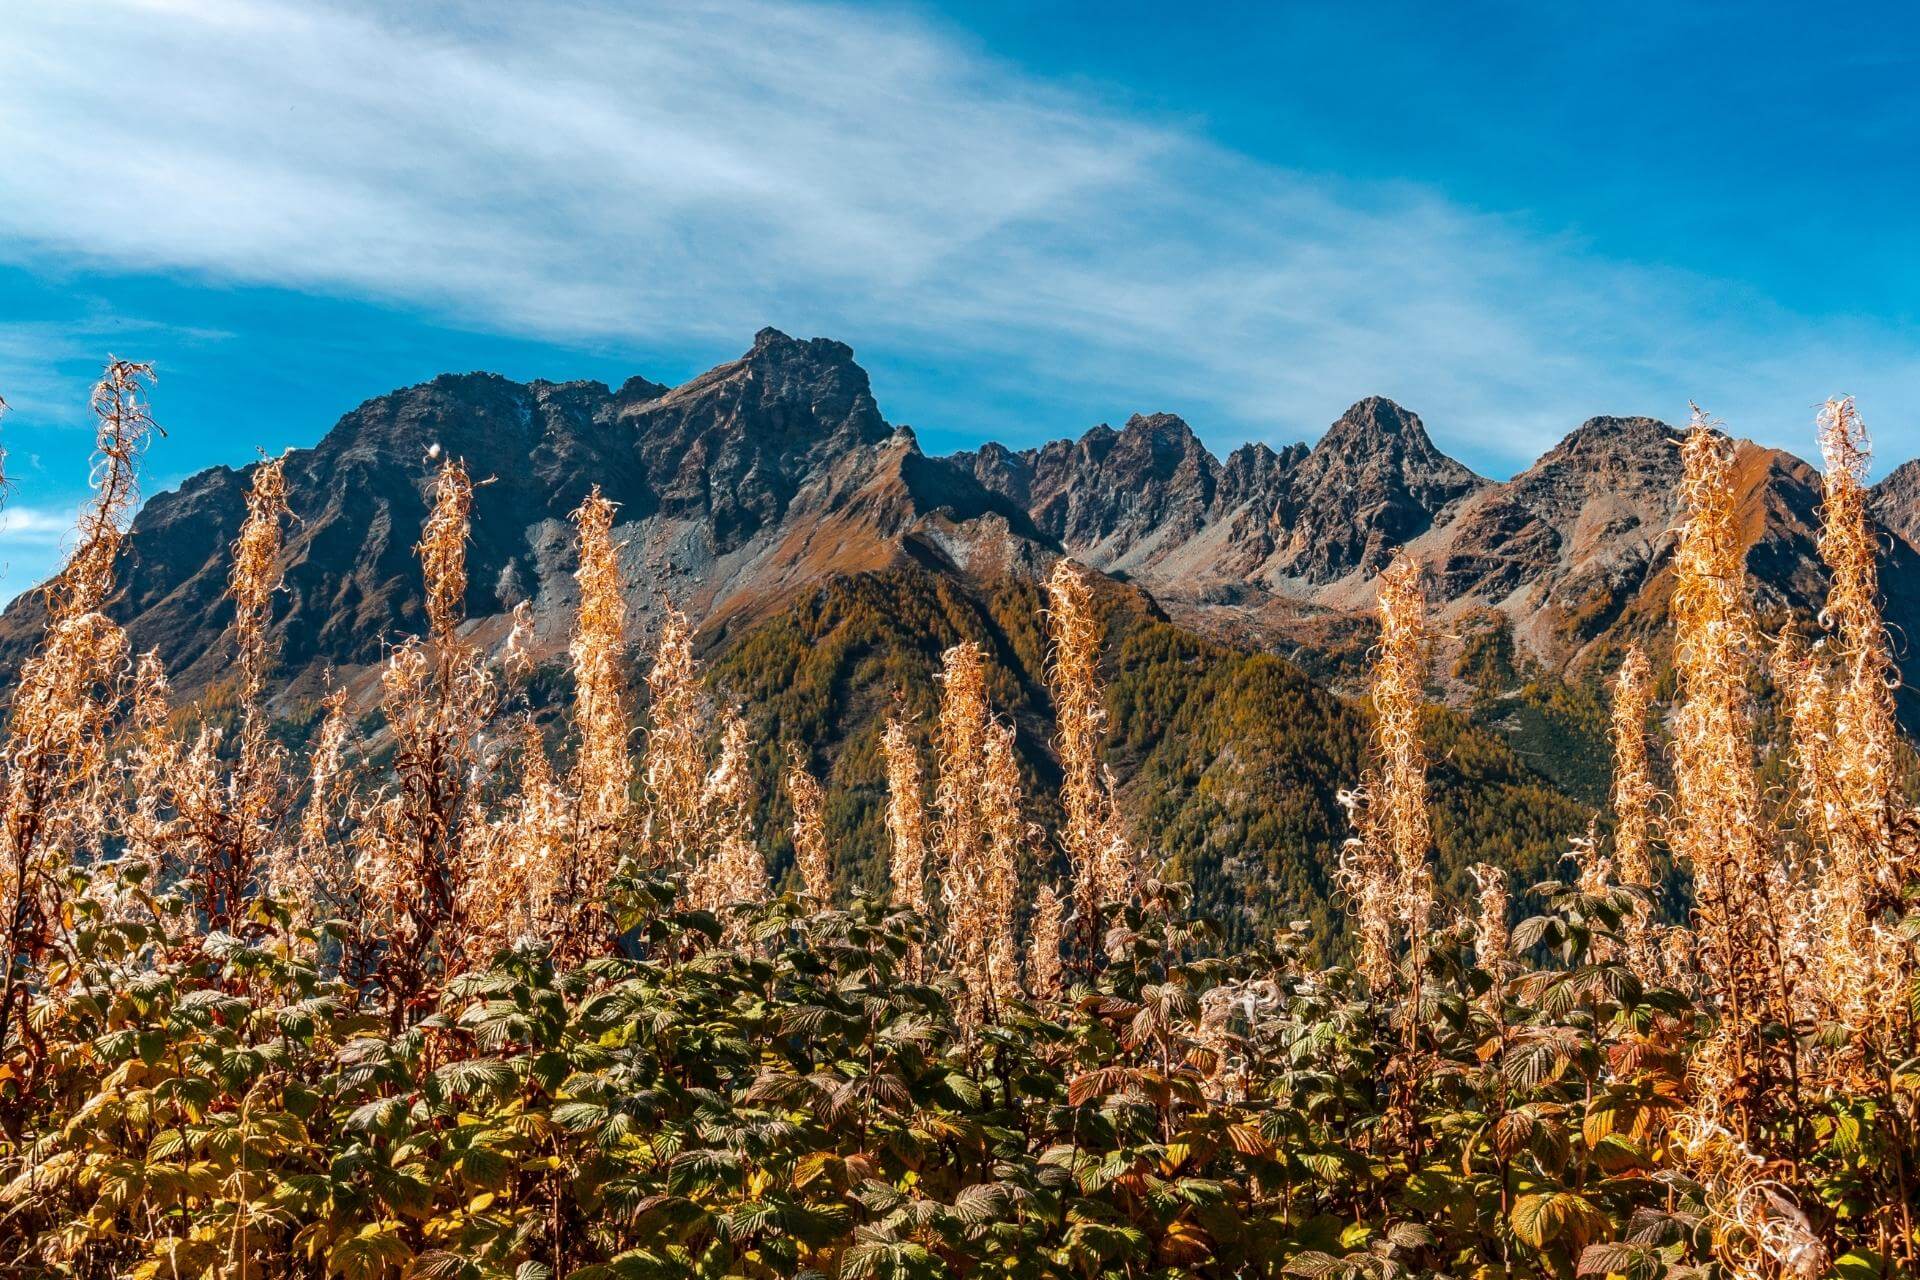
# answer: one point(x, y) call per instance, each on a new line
point(1384, 868)
point(906, 817)
point(443, 550)
point(675, 761)
point(810, 835)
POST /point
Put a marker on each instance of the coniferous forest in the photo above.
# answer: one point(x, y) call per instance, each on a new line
point(441, 987)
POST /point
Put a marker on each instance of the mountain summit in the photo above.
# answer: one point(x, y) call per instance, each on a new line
point(775, 472)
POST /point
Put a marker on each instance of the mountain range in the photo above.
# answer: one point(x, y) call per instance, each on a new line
point(772, 502)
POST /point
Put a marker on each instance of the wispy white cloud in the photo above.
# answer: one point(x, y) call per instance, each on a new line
point(46, 366)
point(568, 169)
point(36, 527)
point(33, 541)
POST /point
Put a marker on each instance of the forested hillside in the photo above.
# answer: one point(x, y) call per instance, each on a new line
point(1231, 762)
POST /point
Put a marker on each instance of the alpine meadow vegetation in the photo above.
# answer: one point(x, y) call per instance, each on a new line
point(455, 992)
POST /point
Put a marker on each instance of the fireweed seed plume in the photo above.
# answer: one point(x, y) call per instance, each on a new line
point(809, 834)
point(417, 843)
point(149, 753)
point(731, 870)
point(124, 424)
point(960, 759)
point(1716, 827)
point(443, 551)
point(598, 653)
point(1096, 849)
point(603, 769)
point(313, 873)
point(55, 774)
point(255, 575)
point(675, 760)
point(1043, 948)
point(906, 817)
point(254, 579)
point(1851, 797)
point(974, 804)
point(1864, 726)
point(1633, 791)
point(995, 883)
point(1633, 795)
point(1492, 939)
point(1384, 869)
point(521, 875)
point(232, 802)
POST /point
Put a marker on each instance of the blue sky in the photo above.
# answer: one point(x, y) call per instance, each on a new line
point(1025, 217)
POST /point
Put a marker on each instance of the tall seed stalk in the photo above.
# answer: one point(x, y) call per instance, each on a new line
point(1633, 795)
point(420, 840)
point(1716, 828)
point(1862, 962)
point(599, 785)
point(1384, 868)
point(810, 835)
point(732, 869)
point(54, 767)
point(675, 762)
point(313, 874)
point(978, 797)
point(1096, 849)
point(906, 817)
point(149, 753)
point(231, 809)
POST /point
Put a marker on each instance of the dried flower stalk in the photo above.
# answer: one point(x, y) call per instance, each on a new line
point(420, 840)
point(149, 753)
point(1096, 849)
point(313, 874)
point(256, 574)
point(961, 757)
point(1043, 949)
point(810, 836)
point(1492, 938)
point(733, 870)
point(978, 795)
point(675, 763)
point(1384, 868)
point(1716, 826)
point(993, 883)
point(231, 810)
point(1633, 791)
point(516, 873)
point(1633, 797)
point(906, 817)
point(55, 780)
point(598, 802)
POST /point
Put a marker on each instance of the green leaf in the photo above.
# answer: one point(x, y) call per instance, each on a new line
point(1538, 1219)
point(1634, 1261)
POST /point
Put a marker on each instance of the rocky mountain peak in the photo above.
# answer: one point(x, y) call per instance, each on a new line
point(1895, 501)
point(1161, 448)
point(1631, 441)
point(708, 469)
point(1104, 495)
point(1377, 434)
point(1373, 419)
point(1371, 484)
point(776, 470)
